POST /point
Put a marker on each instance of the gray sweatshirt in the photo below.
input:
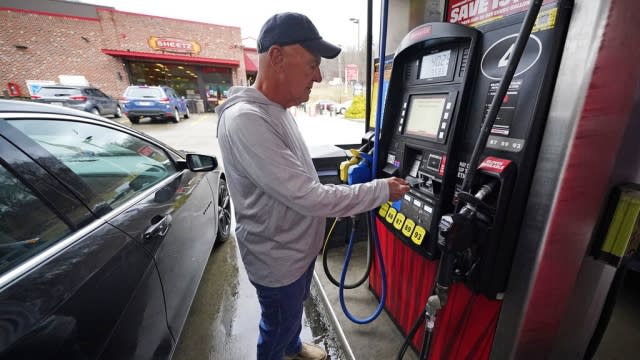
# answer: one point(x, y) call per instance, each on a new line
point(280, 204)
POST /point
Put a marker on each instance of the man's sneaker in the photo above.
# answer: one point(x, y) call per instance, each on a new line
point(308, 352)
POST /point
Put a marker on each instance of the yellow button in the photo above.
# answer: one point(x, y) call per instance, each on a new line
point(383, 209)
point(391, 214)
point(418, 235)
point(407, 229)
point(397, 223)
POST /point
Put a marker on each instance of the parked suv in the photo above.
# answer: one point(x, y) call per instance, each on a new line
point(155, 102)
point(84, 98)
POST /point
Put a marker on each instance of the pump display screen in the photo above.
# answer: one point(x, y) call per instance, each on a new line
point(435, 65)
point(425, 113)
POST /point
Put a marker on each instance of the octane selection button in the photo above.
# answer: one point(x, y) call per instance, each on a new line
point(418, 235)
point(399, 221)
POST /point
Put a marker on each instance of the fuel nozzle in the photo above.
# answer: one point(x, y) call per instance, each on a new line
point(457, 233)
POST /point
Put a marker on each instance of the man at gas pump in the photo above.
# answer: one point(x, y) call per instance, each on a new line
point(280, 204)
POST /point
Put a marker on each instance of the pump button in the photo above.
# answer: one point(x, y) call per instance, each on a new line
point(408, 227)
point(383, 209)
point(418, 235)
point(399, 221)
point(434, 162)
point(391, 215)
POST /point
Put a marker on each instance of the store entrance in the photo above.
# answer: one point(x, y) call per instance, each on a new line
point(217, 82)
point(182, 78)
point(207, 83)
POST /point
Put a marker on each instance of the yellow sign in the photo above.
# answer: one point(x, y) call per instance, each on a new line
point(174, 45)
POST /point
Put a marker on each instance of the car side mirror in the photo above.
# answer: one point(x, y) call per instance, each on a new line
point(201, 163)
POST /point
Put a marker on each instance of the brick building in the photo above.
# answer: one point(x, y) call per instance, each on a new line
point(50, 41)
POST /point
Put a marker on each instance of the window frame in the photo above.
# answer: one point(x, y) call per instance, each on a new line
point(73, 183)
point(40, 189)
point(19, 142)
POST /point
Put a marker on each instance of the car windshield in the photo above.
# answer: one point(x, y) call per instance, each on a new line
point(58, 91)
point(144, 92)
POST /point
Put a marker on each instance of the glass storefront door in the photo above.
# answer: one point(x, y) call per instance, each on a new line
point(192, 82)
point(217, 82)
point(182, 78)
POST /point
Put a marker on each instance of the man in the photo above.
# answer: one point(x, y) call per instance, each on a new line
point(280, 204)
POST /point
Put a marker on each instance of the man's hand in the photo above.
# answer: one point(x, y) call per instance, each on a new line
point(397, 187)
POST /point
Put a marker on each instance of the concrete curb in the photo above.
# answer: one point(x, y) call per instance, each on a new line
point(334, 320)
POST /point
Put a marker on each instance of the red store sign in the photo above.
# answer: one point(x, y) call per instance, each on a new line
point(174, 45)
point(472, 12)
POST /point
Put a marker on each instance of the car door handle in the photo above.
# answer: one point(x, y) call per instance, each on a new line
point(159, 228)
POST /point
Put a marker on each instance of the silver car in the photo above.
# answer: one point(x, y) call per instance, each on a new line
point(85, 98)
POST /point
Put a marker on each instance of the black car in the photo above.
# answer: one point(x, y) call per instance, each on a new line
point(104, 235)
point(85, 98)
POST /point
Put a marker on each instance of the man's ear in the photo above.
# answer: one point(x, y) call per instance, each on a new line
point(276, 57)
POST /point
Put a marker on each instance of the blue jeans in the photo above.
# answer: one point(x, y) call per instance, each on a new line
point(281, 320)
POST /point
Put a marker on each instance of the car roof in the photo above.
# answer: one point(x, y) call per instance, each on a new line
point(147, 86)
point(7, 106)
point(66, 86)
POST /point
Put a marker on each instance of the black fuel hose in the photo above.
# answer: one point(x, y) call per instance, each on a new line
point(325, 263)
point(411, 334)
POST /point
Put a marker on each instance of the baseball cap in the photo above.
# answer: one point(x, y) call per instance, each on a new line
point(293, 28)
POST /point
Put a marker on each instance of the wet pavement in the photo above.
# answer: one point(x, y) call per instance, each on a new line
point(223, 320)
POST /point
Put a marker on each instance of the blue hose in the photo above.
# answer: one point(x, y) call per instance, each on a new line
point(343, 276)
point(372, 223)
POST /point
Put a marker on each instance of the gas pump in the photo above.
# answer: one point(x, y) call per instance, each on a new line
point(422, 127)
point(470, 177)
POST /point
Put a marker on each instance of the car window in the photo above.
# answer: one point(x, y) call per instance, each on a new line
point(27, 225)
point(143, 92)
point(58, 91)
point(115, 165)
point(99, 93)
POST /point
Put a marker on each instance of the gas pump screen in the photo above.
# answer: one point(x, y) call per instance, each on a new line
point(435, 65)
point(425, 113)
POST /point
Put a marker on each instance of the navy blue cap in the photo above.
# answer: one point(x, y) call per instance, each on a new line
point(292, 28)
